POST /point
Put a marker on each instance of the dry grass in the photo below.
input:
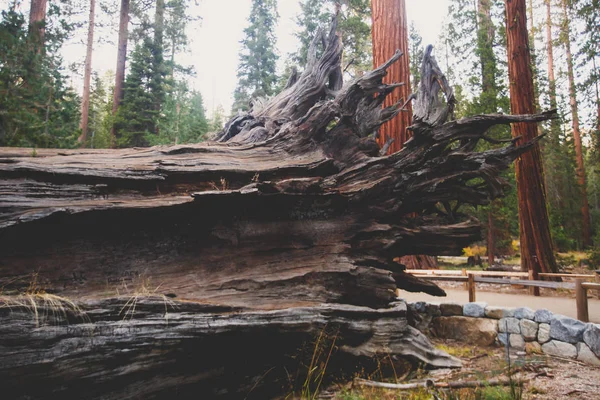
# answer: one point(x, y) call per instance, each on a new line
point(139, 290)
point(40, 304)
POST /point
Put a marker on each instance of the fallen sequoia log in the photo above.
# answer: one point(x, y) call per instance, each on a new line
point(204, 270)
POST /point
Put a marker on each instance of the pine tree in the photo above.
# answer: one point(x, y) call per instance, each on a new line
point(218, 119)
point(37, 108)
point(353, 27)
point(314, 15)
point(137, 117)
point(257, 68)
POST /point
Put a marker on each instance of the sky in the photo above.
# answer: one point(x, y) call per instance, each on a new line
point(222, 29)
point(215, 42)
point(215, 47)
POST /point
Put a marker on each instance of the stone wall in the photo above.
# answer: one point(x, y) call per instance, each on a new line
point(523, 329)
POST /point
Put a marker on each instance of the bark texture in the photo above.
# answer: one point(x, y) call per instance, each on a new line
point(155, 348)
point(283, 230)
point(390, 32)
point(536, 243)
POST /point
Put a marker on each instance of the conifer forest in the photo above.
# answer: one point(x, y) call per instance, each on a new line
point(160, 239)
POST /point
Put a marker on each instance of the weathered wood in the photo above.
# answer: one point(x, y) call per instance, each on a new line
point(434, 384)
point(282, 226)
point(581, 301)
point(533, 276)
point(152, 347)
point(471, 288)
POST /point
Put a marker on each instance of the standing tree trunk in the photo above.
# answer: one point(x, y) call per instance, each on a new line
point(536, 242)
point(158, 60)
point(390, 33)
point(37, 29)
point(121, 57)
point(585, 208)
point(85, 101)
point(485, 44)
point(597, 96)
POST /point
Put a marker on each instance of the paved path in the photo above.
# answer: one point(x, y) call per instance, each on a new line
point(558, 305)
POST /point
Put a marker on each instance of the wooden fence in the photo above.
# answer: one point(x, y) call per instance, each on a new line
point(470, 278)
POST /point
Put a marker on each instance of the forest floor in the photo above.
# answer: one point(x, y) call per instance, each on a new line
point(547, 378)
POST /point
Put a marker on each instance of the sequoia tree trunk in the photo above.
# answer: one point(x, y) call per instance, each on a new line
point(534, 227)
point(237, 268)
point(390, 32)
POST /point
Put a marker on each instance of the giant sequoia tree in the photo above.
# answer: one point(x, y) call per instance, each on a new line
point(237, 254)
point(536, 243)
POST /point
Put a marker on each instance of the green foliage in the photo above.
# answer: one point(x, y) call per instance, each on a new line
point(416, 52)
point(353, 27)
point(37, 108)
point(185, 118)
point(137, 117)
point(257, 67)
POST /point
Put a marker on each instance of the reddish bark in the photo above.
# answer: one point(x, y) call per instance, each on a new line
point(390, 32)
point(85, 101)
point(121, 57)
point(536, 243)
point(580, 170)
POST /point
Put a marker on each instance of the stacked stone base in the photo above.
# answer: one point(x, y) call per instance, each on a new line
point(522, 329)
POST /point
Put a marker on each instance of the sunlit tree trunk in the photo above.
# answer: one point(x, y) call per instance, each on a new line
point(389, 33)
point(536, 243)
point(85, 101)
point(580, 171)
point(121, 57)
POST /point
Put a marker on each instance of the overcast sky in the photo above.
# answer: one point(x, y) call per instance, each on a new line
point(215, 41)
point(215, 48)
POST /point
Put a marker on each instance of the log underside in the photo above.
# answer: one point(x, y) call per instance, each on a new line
point(287, 224)
point(197, 351)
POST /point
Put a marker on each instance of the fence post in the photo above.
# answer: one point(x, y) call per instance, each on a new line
point(581, 301)
point(471, 287)
point(597, 280)
point(533, 276)
point(464, 273)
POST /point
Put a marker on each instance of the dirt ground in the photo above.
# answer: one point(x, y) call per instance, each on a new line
point(546, 377)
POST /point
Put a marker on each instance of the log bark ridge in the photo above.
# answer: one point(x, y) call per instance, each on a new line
point(287, 223)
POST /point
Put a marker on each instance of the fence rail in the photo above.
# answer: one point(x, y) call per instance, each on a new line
point(472, 277)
